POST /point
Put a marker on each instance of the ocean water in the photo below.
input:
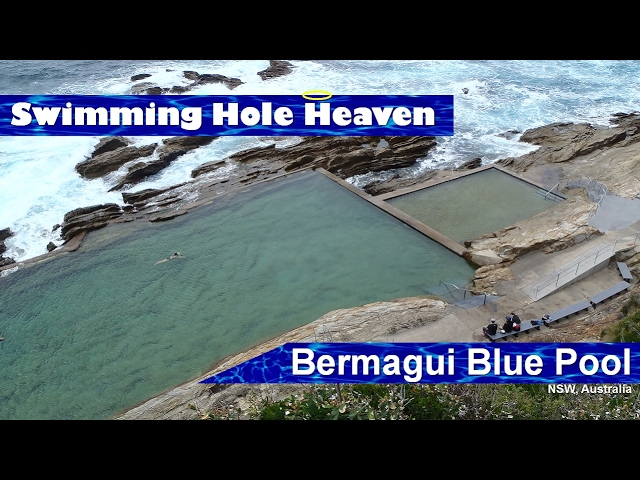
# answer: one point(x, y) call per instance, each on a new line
point(48, 369)
point(99, 330)
point(38, 183)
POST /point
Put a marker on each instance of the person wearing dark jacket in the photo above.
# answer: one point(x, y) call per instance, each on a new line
point(490, 329)
point(508, 325)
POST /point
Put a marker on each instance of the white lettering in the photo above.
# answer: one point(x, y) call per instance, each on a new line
point(423, 116)
point(342, 116)
point(402, 116)
point(616, 365)
point(326, 365)
point(392, 366)
point(365, 364)
point(382, 114)
point(561, 361)
point(127, 115)
point(310, 114)
point(21, 115)
point(283, 116)
point(192, 118)
point(416, 371)
point(46, 115)
point(533, 365)
point(91, 115)
point(250, 116)
point(231, 114)
point(362, 116)
point(305, 361)
point(473, 361)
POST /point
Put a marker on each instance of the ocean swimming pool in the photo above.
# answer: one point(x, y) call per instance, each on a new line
point(101, 329)
point(474, 205)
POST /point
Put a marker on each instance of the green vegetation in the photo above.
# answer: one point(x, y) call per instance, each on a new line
point(440, 402)
point(628, 329)
point(453, 401)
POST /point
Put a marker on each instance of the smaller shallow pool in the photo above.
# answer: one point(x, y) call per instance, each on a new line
point(469, 207)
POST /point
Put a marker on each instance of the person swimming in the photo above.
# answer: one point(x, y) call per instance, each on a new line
point(175, 255)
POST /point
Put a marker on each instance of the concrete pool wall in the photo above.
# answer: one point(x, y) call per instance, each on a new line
point(451, 244)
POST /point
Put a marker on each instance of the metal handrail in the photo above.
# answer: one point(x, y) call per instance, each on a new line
point(571, 269)
point(555, 186)
point(464, 295)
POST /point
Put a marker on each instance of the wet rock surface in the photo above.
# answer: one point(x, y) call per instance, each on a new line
point(277, 68)
point(197, 79)
point(561, 142)
point(169, 151)
point(565, 151)
point(110, 161)
point(4, 234)
point(344, 156)
point(561, 226)
point(88, 218)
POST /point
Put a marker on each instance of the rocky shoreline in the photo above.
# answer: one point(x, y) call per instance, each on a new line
point(566, 151)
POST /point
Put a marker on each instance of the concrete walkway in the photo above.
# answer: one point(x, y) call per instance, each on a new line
point(616, 213)
point(462, 324)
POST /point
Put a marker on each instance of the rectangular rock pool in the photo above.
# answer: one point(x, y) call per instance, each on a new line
point(96, 331)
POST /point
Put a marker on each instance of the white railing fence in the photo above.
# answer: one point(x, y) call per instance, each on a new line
point(596, 191)
point(589, 260)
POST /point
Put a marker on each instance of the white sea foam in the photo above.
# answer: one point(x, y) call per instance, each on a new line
point(8, 271)
point(38, 183)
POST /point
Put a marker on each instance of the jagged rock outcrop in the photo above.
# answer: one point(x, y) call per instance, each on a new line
point(4, 261)
point(487, 276)
point(51, 247)
point(396, 182)
point(485, 257)
point(144, 87)
point(137, 197)
point(561, 142)
point(88, 218)
point(140, 76)
point(277, 68)
point(509, 134)
point(111, 161)
point(109, 144)
point(207, 78)
point(554, 229)
point(557, 228)
point(197, 79)
point(344, 156)
point(168, 216)
point(171, 149)
point(4, 234)
point(470, 164)
point(207, 167)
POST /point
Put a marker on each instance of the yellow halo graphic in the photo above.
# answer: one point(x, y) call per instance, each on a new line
point(325, 95)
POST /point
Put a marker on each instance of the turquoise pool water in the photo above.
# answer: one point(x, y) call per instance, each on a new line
point(98, 330)
point(472, 206)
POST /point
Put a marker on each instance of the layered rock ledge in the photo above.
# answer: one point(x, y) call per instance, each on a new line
point(566, 151)
point(603, 153)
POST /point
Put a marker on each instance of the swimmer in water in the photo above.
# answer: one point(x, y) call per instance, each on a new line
point(175, 255)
